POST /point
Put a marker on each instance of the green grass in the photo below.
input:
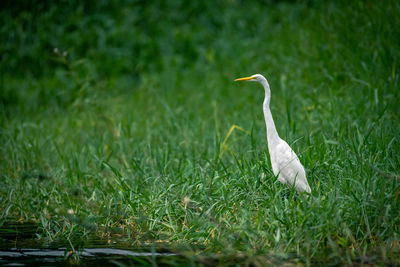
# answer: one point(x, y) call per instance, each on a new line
point(125, 138)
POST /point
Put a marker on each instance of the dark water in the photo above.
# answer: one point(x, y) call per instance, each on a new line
point(19, 246)
point(87, 257)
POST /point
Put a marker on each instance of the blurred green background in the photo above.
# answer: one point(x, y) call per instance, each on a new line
point(118, 110)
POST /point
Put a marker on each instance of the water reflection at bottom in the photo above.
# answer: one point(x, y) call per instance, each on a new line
point(87, 257)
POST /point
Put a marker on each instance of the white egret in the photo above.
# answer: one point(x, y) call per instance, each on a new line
point(285, 163)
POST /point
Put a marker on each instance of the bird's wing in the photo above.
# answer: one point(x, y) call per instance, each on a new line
point(288, 167)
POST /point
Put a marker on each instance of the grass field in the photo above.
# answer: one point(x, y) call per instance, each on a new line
point(126, 136)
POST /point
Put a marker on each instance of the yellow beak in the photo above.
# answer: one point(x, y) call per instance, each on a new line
point(245, 79)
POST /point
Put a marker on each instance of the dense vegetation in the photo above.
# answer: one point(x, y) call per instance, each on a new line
point(118, 121)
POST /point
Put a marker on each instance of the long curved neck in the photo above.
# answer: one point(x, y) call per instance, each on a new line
point(272, 134)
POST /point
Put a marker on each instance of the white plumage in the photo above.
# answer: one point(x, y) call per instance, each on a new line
point(285, 163)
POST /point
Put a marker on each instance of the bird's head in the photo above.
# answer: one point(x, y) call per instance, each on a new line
point(253, 78)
